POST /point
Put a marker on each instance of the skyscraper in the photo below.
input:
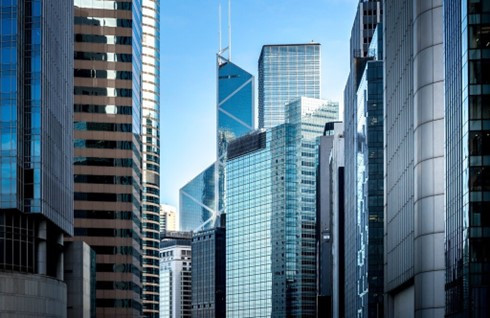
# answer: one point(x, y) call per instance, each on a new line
point(202, 199)
point(107, 140)
point(271, 215)
point(368, 15)
point(208, 273)
point(286, 72)
point(150, 135)
point(365, 130)
point(414, 158)
point(36, 185)
point(175, 275)
point(467, 158)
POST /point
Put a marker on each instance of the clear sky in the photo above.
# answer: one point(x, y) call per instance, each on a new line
point(189, 42)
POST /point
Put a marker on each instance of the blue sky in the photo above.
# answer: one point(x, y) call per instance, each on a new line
point(189, 42)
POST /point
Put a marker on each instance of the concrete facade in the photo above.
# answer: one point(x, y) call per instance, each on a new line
point(33, 296)
point(79, 267)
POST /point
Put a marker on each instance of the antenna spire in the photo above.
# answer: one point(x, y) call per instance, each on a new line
point(219, 28)
point(229, 30)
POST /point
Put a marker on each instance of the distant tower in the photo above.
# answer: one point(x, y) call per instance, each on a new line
point(286, 72)
point(202, 199)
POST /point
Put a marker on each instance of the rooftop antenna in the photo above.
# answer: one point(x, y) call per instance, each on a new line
point(229, 30)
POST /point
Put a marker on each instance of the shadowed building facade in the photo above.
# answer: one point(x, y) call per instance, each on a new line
point(467, 110)
point(107, 143)
point(36, 176)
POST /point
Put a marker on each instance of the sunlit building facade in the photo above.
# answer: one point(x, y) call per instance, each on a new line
point(271, 215)
point(175, 275)
point(168, 218)
point(286, 72)
point(36, 175)
point(107, 149)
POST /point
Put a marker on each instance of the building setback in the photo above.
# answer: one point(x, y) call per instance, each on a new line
point(467, 158)
point(175, 275)
point(107, 143)
point(36, 180)
point(286, 72)
point(150, 152)
point(414, 154)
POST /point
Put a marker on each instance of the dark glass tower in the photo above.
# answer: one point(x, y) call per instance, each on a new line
point(467, 88)
point(369, 14)
point(208, 273)
point(107, 140)
point(36, 185)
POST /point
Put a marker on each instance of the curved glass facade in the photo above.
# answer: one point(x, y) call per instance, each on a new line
point(150, 134)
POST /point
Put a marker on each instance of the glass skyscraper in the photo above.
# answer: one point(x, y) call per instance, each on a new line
point(286, 72)
point(198, 201)
point(150, 137)
point(368, 15)
point(36, 180)
point(271, 215)
point(208, 273)
point(368, 163)
point(202, 199)
point(107, 142)
point(467, 110)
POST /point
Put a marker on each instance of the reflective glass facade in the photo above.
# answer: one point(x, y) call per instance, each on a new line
point(260, 229)
point(369, 187)
point(150, 106)
point(467, 158)
point(202, 200)
point(286, 72)
point(198, 201)
point(368, 15)
point(108, 149)
point(271, 215)
point(36, 185)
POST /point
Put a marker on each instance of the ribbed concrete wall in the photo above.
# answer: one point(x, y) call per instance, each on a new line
point(31, 295)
